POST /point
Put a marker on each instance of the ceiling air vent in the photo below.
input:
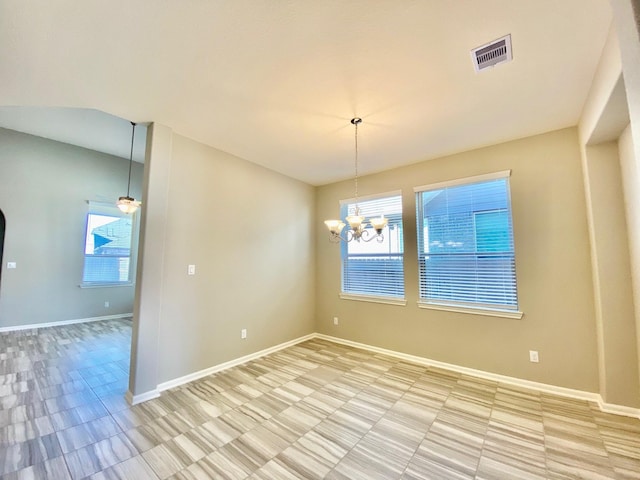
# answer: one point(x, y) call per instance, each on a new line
point(491, 54)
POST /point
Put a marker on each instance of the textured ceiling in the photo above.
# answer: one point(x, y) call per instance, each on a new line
point(276, 82)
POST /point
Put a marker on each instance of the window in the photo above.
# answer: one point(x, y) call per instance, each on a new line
point(374, 270)
point(465, 244)
point(107, 247)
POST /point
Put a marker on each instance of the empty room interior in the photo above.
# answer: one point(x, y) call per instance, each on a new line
point(318, 239)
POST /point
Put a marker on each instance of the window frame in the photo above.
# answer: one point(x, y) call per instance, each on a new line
point(344, 253)
point(461, 306)
point(110, 210)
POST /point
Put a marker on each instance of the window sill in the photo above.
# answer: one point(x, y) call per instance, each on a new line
point(374, 299)
point(107, 285)
point(474, 311)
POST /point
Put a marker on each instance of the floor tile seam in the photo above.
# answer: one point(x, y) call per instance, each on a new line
point(404, 471)
point(484, 439)
point(348, 451)
point(87, 387)
point(66, 464)
point(39, 392)
point(59, 448)
point(415, 450)
point(33, 465)
point(546, 450)
point(238, 407)
point(121, 431)
point(608, 448)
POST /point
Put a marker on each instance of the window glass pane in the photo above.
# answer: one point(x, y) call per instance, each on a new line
point(493, 231)
point(107, 249)
point(465, 245)
point(372, 267)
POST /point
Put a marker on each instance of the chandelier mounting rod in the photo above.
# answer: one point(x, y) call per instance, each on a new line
point(356, 121)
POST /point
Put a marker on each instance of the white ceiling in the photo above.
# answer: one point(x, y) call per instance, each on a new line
point(276, 82)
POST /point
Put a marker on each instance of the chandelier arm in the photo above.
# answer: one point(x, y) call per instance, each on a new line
point(366, 236)
point(336, 237)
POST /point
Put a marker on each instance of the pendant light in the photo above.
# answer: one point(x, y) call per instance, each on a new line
point(129, 204)
point(357, 223)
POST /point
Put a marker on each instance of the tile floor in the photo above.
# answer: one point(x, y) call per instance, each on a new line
point(315, 410)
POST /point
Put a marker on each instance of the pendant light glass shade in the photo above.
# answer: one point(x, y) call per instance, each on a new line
point(127, 204)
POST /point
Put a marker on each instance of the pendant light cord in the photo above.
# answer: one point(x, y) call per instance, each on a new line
point(133, 133)
point(356, 121)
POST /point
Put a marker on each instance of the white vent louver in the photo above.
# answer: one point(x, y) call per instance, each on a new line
point(491, 54)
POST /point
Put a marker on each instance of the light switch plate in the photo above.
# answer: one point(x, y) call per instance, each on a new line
point(191, 270)
point(11, 265)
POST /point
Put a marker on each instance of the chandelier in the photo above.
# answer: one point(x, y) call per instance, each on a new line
point(129, 204)
point(357, 223)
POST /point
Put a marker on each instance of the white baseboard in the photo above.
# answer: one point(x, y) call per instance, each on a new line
point(143, 397)
point(518, 382)
point(176, 382)
point(619, 409)
point(64, 322)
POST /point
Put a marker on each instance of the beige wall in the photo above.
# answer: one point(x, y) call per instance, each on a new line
point(250, 233)
point(44, 188)
point(552, 264)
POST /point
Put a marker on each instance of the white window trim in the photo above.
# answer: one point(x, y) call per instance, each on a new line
point(463, 181)
point(374, 299)
point(491, 312)
point(107, 285)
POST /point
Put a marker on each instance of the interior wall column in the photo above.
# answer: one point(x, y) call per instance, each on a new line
point(615, 317)
point(626, 16)
point(143, 373)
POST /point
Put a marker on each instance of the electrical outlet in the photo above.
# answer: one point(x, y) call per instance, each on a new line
point(106, 304)
point(533, 356)
point(335, 320)
point(11, 265)
point(243, 333)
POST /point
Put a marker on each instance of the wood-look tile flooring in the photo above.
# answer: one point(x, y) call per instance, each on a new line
point(315, 410)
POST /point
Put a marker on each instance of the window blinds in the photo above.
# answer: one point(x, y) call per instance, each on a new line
point(375, 268)
point(465, 243)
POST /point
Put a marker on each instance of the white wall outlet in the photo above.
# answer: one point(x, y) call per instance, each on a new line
point(533, 356)
point(191, 270)
point(106, 304)
point(11, 265)
point(335, 320)
point(243, 333)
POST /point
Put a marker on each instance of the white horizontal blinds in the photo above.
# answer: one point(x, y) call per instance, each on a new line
point(375, 268)
point(465, 245)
